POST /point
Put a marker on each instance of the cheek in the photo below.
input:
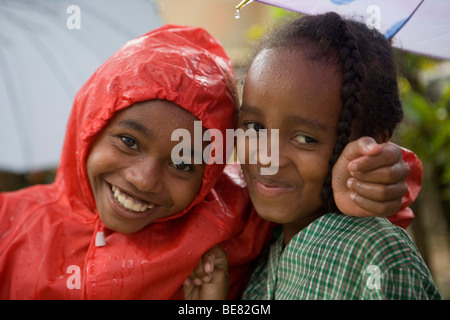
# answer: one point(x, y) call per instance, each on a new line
point(184, 192)
point(314, 172)
point(100, 160)
point(93, 165)
point(247, 149)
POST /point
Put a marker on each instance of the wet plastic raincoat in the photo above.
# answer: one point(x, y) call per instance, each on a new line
point(48, 232)
point(51, 244)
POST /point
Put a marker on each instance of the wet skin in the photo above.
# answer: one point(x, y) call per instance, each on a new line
point(284, 90)
point(131, 161)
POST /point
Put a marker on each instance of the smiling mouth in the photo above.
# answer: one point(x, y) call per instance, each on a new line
point(271, 188)
point(128, 202)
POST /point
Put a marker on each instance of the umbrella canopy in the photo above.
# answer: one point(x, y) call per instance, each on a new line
point(48, 49)
point(419, 26)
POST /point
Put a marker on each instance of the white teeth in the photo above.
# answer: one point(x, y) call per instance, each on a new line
point(136, 207)
point(129, 202)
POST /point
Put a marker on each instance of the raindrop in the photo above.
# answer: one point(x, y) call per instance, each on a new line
point(240, 6)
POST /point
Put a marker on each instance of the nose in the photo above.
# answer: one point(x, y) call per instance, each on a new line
point(284, 154)
point(277, 155)
point(269, 152)
point(145, 175)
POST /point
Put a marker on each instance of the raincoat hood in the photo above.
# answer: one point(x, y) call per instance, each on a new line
point(53, 244)
point(184, 65)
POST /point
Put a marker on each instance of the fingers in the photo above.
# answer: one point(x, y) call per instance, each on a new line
point(386, 175)
point(389, 154)
point(203, 271)
point(213, 259)
point(370, 208)
point(381, 200)
point(208, 263)
point(378, 192)
point(219, 258)
point(370, 179)
point(364, 146)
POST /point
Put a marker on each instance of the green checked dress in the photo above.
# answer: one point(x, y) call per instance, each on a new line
point(342, 257)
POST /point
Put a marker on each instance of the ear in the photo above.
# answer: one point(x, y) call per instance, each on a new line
point(382, 136)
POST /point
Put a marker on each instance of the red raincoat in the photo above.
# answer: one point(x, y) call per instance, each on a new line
point(47, 232)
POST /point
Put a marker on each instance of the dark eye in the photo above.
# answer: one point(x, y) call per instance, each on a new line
point(253, 125)
point(183, 166)
point(129, 142)
point(300, 138)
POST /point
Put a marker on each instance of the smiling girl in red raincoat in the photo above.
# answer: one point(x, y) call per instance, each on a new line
point(123, 220)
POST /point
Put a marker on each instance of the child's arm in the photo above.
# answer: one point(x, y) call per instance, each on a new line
point(373, 179)
point(209, 280)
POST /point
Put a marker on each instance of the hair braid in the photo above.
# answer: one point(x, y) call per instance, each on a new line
point(353, 71)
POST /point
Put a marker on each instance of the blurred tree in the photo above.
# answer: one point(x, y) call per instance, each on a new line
point(11, 181)
point(425, 94)
point(426, 126)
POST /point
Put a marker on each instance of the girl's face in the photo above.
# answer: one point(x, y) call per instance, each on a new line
point(285, 90)
point(130, 169)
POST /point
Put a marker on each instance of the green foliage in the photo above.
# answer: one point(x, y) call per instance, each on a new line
point(426, 104)
point(277, 15)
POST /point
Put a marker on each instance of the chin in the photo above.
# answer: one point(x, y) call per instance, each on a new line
point(123, 227)
point(129, 230)
point(271, 213)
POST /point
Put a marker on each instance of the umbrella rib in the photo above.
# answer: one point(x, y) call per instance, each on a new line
point(390, 36)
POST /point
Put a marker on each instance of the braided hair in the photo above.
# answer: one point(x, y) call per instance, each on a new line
point(369, 94)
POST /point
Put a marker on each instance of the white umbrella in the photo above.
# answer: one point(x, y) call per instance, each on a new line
point(419, 26)
point(48, 49)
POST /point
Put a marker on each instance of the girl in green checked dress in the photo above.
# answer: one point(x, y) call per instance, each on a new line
point(323, 81)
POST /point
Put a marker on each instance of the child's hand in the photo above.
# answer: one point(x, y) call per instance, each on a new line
point(370, 179)
point(209, 280)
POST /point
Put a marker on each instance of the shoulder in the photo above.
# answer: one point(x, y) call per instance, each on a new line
point(17, 206)
point(373, 240)
point(37, 194)
point(358, 251)
point(369, 230)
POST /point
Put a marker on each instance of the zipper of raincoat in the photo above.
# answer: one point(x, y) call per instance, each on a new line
point(97, 240)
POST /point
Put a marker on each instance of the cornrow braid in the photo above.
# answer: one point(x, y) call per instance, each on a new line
point(353, 71)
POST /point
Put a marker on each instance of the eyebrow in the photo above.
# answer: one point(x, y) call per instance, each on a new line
point(249, 109)
point(135, 125)
point(317, 125)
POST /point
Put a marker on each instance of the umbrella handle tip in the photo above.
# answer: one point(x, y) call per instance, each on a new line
point(242, 4)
